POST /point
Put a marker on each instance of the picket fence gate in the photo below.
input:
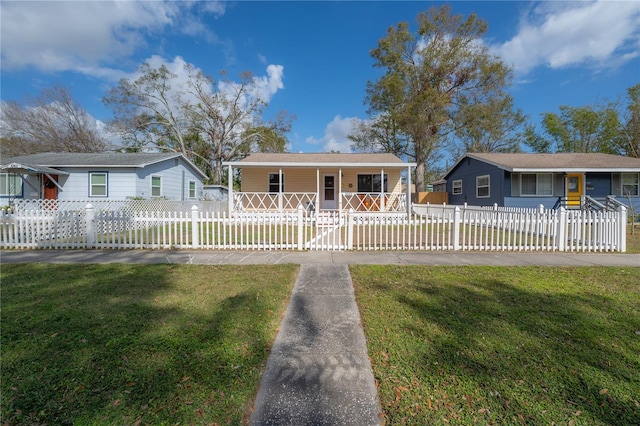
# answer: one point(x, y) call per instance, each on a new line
point(454, 229)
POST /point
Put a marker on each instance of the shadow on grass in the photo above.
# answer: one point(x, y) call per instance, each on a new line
point(124, 344)
point(532, 355)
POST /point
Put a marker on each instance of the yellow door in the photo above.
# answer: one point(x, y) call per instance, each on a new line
point(575, 185)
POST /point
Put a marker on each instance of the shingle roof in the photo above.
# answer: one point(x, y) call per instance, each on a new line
point(315, 159)
point(68, 159)
point(558, 161)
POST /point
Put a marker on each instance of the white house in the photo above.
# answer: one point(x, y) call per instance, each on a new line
point(73, 176)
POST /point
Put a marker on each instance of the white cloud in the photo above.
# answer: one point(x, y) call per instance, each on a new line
point(601, 34)
point(336, 135)
point(87, 36)
point(267, 86)
point(263, 87)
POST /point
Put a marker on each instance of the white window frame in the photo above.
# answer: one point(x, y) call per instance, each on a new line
point(279, 183)
point(5, 190)
point(105, 185)
point(192, 192)
point(488, 186)
point(456, 187)
point(156, 186)
point(632, 184)
point(537, 185)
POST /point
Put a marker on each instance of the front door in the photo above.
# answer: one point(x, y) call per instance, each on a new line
point(50, 188)
point(575, 185)
point(329, 192)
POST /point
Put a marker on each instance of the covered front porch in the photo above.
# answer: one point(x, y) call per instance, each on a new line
point(321, 183)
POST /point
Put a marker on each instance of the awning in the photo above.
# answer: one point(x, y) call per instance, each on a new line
point(29, 169)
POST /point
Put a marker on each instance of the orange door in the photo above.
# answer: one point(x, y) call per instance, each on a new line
point(575, 189)
point(50, 188)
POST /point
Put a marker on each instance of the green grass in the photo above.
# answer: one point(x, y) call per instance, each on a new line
point(633, 239)
point(515, 345)
point(131, 344)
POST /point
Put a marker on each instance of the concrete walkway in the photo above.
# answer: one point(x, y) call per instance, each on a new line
point(318, 372)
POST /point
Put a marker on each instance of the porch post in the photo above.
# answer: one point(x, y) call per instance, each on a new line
point(230, 188)
point(340, 189)
point(382, 189)
point(408, 191)
point(317, 189)
point(280, 189)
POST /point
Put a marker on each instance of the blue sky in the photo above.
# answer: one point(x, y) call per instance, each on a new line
point(310, 58)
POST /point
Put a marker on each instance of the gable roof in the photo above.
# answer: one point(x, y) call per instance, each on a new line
point(559, 162)
point(105, 159)
point(320, 160)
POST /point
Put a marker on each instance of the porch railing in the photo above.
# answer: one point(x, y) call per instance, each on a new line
point(374, 202)
point(290, 201)
point(267, 201)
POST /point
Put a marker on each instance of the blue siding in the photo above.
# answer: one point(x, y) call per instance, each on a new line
point(468, 170)
point(598, 185)
point(530, 202)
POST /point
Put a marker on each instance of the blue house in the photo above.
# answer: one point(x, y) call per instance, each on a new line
point(528, 180)
point(109, 176)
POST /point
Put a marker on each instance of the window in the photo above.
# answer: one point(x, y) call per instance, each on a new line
point(457, 187)
point(156, 186)
point(98, 184)
point(275, 185)
point(371, 183)
point(10, 184)
point(192, 189)
point(536, 184)
point(482, 186)
point(630, 184)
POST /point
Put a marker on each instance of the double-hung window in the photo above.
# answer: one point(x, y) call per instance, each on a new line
point(482, 186)
point(192, 189)
point(156, 186)
point(539, 184)
point(98, 184)
point(631, 184)
point(10, 184)
point(456, 187)
point(372, 183)
point(275, 184)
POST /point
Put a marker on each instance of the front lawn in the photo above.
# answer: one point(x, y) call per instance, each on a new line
point(515, 345)
point(133, 344)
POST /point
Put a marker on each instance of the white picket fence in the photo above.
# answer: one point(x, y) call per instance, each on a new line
point(479, 229)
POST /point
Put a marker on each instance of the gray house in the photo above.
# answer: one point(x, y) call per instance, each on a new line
point(528, 180)
point(80, 176)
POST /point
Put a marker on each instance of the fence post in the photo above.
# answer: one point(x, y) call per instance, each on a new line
point(350, 230)
point(622, 213)
point(456, 228)
point(195, 234)
point(89, 217)
point(562, 229)
point(300, 226)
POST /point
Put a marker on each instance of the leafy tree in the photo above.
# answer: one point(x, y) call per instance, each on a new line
point(491, 126)
point(629, 136)
point(148, 112)
point(380, 134)
point(591, 128)
point(209, 121)
point(429, 73)
point(49, 122)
